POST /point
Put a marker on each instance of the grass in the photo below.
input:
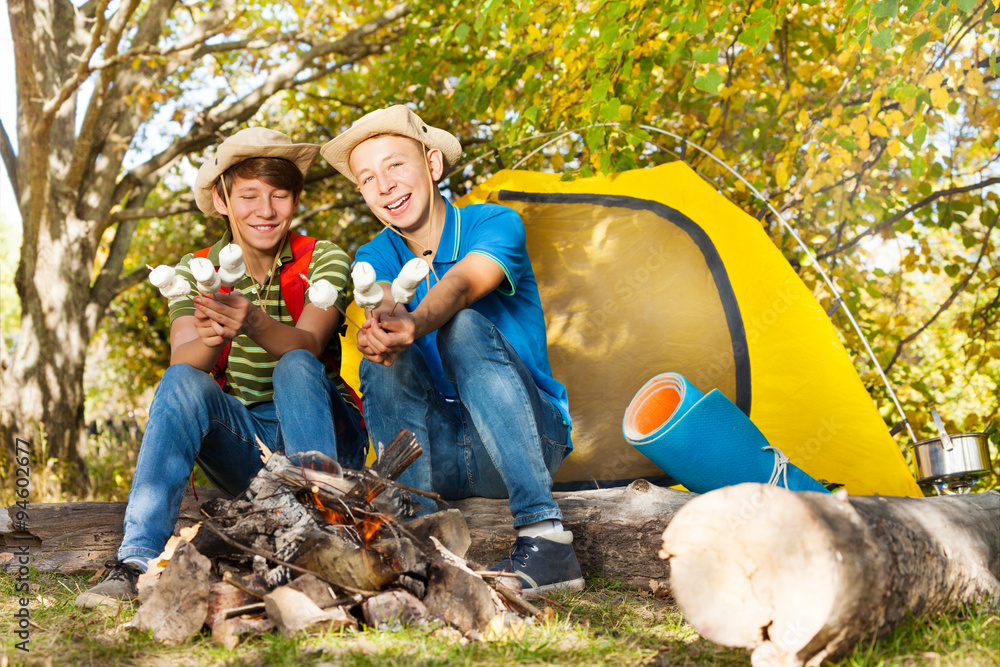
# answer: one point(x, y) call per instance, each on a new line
point(604, 625)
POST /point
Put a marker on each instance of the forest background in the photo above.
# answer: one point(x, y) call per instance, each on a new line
point(871, 126)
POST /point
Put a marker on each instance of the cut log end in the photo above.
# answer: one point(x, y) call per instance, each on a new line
point(750, 567)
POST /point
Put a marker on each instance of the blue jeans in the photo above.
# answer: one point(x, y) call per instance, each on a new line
point(192, 420)
point(502, 438)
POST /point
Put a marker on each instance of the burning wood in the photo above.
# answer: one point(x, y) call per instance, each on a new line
point(312, 545)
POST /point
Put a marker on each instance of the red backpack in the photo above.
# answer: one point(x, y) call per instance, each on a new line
point(293, 292)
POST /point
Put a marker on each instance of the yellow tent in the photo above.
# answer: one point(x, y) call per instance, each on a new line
point(652, 271)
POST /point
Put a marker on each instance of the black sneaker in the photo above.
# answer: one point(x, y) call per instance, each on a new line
point(118, 587)
point(544, 563)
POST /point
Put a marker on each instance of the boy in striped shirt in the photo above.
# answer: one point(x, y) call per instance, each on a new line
point(257, 361)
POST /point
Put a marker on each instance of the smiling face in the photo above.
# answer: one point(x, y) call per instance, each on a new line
point(263, 214)
point(393, 178)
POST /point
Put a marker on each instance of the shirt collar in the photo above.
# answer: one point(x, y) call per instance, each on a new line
point(447, 250)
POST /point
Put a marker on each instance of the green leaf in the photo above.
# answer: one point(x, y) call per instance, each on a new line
point(885, 8)
point(710, 82)
point(967, 6)
point(918, 166)
point(919, 41)
point(853, 7)
point(952, 270)
point(919, 134)
point(461, 32)
point(883, 38)
point(706, 56)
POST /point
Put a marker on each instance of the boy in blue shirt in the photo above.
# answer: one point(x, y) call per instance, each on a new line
point(464, 365)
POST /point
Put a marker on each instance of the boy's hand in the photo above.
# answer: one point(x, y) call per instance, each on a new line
point(223, 317)
point(383, 337)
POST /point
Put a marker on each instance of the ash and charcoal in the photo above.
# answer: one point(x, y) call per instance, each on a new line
point(310, 545)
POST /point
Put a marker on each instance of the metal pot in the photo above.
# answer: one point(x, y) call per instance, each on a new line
point(952, 456)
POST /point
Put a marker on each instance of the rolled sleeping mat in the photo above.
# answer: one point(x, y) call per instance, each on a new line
point(703, 441)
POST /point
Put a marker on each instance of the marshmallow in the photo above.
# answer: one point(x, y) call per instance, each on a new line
point(369, 299)
point(211, 286)
point(322, 294)
point(231, 259)
point(363, 276)
point(161, 276)
point(178, 288)
point(202, 269)
point(400, 294)
point(412, 273)
point(232, 277)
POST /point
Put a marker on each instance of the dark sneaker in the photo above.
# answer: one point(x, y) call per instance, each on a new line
point(544, 563)
point(118, 587)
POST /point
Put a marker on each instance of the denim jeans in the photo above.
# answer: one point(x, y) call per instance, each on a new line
point(192, 420)
point(502, 438)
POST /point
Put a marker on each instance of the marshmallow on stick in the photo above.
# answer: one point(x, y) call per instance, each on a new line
point(367, 294)
point(404, 287)
point(231, 266)
point(178, 288)
point(161, 276)
point(208, 281)
point(323, 294)
point(171, 285)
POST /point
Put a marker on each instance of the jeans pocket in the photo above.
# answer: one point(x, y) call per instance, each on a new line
point(554, 453)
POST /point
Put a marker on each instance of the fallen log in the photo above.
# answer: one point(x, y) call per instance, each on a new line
point(800, 578)
point(77, 537)
point(616, 531)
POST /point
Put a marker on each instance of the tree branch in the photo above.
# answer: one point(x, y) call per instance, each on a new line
point(9, 161)
point(155, 212)
point(902, 214)
point(281, 78)
point(951, 297)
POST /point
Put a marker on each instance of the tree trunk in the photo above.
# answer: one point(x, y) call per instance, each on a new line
point(802, 577)
point(43, 396)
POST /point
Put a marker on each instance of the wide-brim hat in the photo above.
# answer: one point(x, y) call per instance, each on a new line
point(246, 144)
point(398, 120)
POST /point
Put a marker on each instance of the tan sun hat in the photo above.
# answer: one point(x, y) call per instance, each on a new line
point(398, 120)
point(245, 144)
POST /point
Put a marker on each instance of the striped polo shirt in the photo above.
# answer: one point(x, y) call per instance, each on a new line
point(249, 369)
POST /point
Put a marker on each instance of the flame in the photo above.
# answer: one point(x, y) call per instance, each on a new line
point(368, 527)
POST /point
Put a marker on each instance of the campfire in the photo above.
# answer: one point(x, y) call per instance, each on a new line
point(310, 545)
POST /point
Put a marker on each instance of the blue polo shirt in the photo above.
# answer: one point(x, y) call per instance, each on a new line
point(515, 309)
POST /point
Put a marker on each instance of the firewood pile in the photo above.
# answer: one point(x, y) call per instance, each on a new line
point(312, 546)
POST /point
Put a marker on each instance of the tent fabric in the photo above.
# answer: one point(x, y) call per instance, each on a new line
point(652, 271)
point(703, 440)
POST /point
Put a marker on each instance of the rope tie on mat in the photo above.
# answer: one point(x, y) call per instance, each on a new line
point(780, 471)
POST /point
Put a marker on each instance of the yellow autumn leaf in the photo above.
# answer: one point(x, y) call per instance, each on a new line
point(877, 129)
point(557, 160)
point(625, 112)
point(939, 98)
point(909, 106)
point(893, 147)
point(802, 120)
point(864, 140)
point(974, 82)
point(859, 124)
point(797, 89)
point(715, 114)
point(781, 174)
point(894, 117)
point(934, 79)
